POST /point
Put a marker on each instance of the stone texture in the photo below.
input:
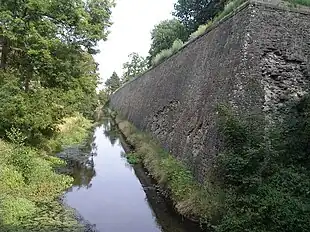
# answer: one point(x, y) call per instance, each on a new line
point(258, 60)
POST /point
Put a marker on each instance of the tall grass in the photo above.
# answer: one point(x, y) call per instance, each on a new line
point(164, 54)
point(229, 7)
point(201, 30)
point(178, 44)
point(196, 201)
point(72, 131)
point(29, 185)
point(300, 2)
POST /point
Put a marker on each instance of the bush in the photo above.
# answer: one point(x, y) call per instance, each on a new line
point(191, 199)
point(29, 182)
point(164, 54)
point(300, 2)
point(27, 179)
point(72, 131)
point(229, 7)
point(267, 179)
point(201, 30)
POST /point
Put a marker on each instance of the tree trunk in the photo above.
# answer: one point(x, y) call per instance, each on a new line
point(4, 50)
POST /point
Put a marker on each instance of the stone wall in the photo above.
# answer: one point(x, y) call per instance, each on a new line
point(257, 60)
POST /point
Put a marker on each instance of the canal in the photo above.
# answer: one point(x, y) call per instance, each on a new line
point(114, 196)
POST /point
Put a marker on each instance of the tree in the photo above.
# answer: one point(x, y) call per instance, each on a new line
point(113, 83)
point(164, 34)
point(103, 97)
point(134, 67)
point(193, 13)
point(44, 38)
point(47, 70)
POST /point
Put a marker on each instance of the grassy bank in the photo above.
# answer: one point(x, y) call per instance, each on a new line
point(191, 199)
point(29, 185)
point(264, 174)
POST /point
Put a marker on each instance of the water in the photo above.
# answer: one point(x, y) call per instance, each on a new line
point(110, 194)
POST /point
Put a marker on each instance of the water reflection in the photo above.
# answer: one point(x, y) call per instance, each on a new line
point(110, 131)
point(107, 192)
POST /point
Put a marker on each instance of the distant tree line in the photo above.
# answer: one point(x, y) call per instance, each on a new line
point(168, 37)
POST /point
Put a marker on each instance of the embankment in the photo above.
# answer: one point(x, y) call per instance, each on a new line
point(257, 60)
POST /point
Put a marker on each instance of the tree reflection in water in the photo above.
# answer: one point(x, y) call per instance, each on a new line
point(80, 159)
point(80, 163)
point(110, 130)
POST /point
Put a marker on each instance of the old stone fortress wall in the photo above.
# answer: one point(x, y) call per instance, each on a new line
point(257, 60)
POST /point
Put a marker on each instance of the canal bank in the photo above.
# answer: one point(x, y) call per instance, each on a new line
point(112, 195)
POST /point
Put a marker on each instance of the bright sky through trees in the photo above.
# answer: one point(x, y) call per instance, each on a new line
point(133, 21)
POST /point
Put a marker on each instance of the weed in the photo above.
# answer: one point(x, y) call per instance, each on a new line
point(29, 182)
point(165, 54)
point(299, 2)
point(132, 158)
point(201, 30)
point(196, 201)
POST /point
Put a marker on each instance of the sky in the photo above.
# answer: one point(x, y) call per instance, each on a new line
point(133, 21)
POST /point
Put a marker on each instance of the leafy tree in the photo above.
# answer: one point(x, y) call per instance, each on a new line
point(103, 97)
point(134, 67)
point(164, 34)
point(113, 83)
point(193, 13)
point(43, 39)
point(46, 65)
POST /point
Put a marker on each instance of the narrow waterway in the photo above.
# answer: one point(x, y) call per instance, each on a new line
point(110, 194)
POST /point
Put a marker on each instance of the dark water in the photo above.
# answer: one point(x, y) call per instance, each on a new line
point(113, 196)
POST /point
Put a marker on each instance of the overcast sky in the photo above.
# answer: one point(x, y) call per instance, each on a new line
point(133, 21)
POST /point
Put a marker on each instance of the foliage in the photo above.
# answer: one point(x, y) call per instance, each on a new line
point(103, 97)
point(266, 176)
point(201, 30)
point(164, 34)
point(134, 67)
point(165, 54)
point(46, 67)
point(113, 83)
point(191, 199)
point(229, 7)
point(73, 131)
point(29, 183)
point(47, 73)
point(132, 158)
point(193, 13)
point(300, 2)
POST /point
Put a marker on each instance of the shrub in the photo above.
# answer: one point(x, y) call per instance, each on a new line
point(72, 131)
point(15, 209)
point(191, 199)
point(229, 7)
point(29, 182)
point(300, 2)
point(201, 30)
point(266, 176)
point(164, 54)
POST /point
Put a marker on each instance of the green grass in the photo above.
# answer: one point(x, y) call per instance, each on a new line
point(29, 183)
point(191, 199)
point(229, 7)
point(300, 2)
point(178, 44)
point(72, 131)
point(132, 158)
point(165, 54)
point(201, 30)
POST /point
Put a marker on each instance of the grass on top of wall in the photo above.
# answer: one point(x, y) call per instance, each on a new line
point(191, 199)
point(299, 2)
